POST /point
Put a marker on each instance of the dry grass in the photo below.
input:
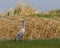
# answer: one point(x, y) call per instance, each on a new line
point(36, 28)
point(40, 28)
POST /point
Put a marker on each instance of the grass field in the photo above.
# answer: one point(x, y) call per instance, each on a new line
point(54, 43)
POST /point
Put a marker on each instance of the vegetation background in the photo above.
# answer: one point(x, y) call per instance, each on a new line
point(42, 29)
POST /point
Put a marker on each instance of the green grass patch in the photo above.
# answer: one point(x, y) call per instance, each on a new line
point(54, 43)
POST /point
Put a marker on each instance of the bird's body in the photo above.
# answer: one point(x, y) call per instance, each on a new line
point(20, 34)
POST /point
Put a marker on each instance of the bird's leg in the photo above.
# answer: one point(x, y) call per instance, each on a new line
point(17, 38)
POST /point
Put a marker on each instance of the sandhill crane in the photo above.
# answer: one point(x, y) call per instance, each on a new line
point(20, 34)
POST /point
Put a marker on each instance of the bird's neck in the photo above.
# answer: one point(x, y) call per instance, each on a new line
point(23, 25)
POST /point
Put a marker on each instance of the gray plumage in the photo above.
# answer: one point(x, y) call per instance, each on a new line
point(20, 34)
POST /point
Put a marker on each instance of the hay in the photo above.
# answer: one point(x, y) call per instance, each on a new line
point(36, 28)
point(40, 28)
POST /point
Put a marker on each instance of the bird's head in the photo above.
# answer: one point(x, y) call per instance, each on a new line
point(22, 20)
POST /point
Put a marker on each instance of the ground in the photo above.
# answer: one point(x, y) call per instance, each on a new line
point(52, 43)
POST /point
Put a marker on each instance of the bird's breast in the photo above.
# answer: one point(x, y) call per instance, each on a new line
point(23, 30)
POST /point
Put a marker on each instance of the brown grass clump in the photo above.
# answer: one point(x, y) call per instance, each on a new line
point(40, 28)
point(8, 28)
point(36, 28)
